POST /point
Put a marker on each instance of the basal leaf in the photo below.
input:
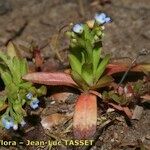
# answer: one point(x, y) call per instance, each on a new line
point(16, 70)
point(58, 78)
point(83, 58)
point(142, 67)
point(102, 82)
point(23, 67)
point(96, 59)
point(25, 85)
point(75, 63)
point(117, 68)
point(79, 80)
point(5, 59)
point(12, 91)
point(87, 73)
point(89, 51)
point(3, 105)
point(10, 64)
point(101, 67)
point(85, 116)
point(7, 78)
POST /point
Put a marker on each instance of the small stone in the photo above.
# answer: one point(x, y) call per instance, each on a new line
point(147, 137)
point(53, 102)
point(137, 113)
point(109, 110)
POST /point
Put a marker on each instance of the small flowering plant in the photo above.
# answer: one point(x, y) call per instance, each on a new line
point(87, 73)
point(17, 92)
point(87, 65)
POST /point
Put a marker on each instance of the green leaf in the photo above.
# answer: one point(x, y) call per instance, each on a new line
point(12, 91)
point(75, 63)
point(89, 48)
point(25, 85)
point(83, 58)
point(16, 70)
point(5, 59)
point(7, 78)
point(79, 80)
point(96, 58)
point(10, 63)
point(41, 91)
point(3, 98)
point(23, 67)
point(17, 107)
point(117, 98)
point(87, 73)
point(102, 82)
point(87, 34)
point(101, 67)
point(23, 102)
point(80, 42)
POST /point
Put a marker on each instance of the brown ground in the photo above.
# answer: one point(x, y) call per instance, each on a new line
point(128, 34)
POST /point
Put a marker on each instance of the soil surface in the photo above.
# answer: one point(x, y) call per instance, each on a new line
point(38, 21)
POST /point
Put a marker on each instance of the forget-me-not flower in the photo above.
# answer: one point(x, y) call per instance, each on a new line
point(102, 18)
point(78, 28)
point(15, 126)
point(7, 122)
point(34, 103)
point(29, 96)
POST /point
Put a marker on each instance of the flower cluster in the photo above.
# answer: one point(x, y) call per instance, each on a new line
point(8, 122)
point(85, 56)
point(34, 101)
point(100, 19)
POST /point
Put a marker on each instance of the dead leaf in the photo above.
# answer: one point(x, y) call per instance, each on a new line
point(125, 109)
point(61, 96)
point(52, 120)
point(12, 50)
point(146, 98)
point(38, 57)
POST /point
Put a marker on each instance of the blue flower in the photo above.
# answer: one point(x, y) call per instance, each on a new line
point(29, 96)
point(102, 18)
point(34, 103)
point(78, 28)
point(7, 122)
point(15, 126)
